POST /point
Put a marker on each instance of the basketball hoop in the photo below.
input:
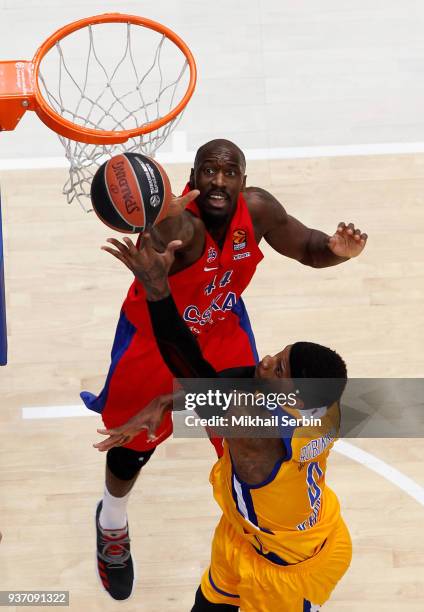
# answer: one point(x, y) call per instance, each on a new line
point(106, 84)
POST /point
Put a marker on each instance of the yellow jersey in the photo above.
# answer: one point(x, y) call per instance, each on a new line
point(288, 517)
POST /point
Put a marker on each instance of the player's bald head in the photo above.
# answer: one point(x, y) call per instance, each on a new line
point(220, 148)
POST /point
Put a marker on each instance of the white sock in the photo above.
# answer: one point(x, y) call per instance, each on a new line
point(113, 514)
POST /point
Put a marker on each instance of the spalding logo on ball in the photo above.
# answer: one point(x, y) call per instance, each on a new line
point(130, 192)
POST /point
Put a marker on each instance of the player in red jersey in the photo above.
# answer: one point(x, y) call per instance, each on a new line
point(220, 232)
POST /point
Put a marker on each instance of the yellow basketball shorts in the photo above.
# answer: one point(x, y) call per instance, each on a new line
point(240, 576)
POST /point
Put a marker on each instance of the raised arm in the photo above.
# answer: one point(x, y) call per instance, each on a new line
point(288, 236)
point(254, 458)
point(178, 225)
point(178, 347)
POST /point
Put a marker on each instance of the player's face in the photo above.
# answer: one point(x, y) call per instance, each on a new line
point(276, 367)
point(219, 176)
point(276, 370)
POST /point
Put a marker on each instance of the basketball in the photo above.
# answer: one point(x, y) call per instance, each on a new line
point(130, 192)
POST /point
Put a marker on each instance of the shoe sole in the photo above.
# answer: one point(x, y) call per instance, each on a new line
point(97, 567)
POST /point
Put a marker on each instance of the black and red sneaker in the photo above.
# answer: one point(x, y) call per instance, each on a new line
point(114, 562)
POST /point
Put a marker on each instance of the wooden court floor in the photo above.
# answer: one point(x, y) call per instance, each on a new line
point(63, 298)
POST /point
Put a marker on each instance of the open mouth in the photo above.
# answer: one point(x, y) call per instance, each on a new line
point(217, 200)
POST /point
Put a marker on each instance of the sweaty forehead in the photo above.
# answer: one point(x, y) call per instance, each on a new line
point(220, 155)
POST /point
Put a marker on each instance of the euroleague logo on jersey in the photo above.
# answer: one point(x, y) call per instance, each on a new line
point(239, 239)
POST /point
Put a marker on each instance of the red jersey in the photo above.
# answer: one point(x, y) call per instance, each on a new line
point(207, 295)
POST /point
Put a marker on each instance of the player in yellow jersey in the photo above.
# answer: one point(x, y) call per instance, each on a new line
point(281, 544)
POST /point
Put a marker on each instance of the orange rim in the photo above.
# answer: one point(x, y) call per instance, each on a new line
point(75, 132)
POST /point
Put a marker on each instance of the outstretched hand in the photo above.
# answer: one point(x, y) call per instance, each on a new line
point(178, 204)
point(148, 266)
point(347, 242)
point(148, 419)
point(134, 259)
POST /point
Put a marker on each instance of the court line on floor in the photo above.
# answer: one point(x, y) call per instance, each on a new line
point(406, 484)
point(380, 467)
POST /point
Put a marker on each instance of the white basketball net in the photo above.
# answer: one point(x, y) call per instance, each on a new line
point(129, 76)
